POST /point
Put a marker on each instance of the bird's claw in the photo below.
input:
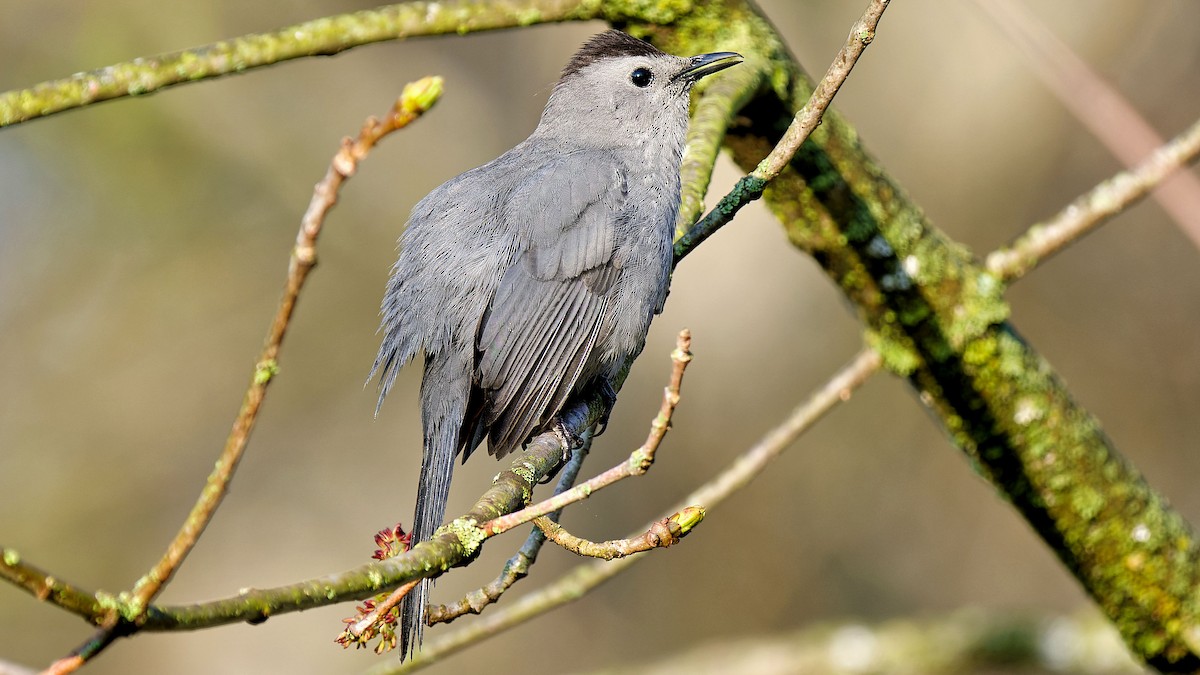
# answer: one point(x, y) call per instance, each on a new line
point(567, 438)
point(609, 396)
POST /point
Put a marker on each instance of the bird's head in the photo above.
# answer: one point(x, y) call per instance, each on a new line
point(616, 84)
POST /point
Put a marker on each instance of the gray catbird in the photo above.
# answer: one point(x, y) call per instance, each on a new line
point(534, 276)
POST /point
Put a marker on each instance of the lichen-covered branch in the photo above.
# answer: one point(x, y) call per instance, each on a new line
point(319, 37)
point(939, 320)
point(453, 544)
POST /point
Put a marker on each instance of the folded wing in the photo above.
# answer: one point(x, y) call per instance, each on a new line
point(539, 336)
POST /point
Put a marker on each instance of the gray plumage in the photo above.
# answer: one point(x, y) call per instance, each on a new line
point(535, 276)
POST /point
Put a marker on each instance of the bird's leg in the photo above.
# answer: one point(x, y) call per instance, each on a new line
point(609, 395)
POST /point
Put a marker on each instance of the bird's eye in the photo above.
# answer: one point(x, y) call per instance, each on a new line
point(641, 77)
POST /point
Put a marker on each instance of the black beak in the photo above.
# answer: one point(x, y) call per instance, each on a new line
point(707, 64)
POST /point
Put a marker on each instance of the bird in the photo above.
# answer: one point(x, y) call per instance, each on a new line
point(533, 278)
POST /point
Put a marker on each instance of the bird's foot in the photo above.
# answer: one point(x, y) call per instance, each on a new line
point(567, 438)
point(609, 396)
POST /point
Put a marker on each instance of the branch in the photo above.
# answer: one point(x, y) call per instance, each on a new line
point(751, 186)
point(453, 544)
point(319, 37)
point(939, 320)
point(584, 578)
point(50, 588)
point(662, 533)
point(1094, 207)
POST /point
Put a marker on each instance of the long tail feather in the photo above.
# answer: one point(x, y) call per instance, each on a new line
point(444, 392)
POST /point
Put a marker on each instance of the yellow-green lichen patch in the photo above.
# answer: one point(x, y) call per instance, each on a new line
point(469, 534)
point(1087, 502)
point(897, 356)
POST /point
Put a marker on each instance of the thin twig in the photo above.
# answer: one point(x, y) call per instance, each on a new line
point(751, 186)
point(1098, 105)
point(661, 534)
point(584, 578)
point(376, 615)
point(96, 643)
point(1094, 207)
point(637, 464)
point(49, 587)
point(417, 98)
point(517, 567)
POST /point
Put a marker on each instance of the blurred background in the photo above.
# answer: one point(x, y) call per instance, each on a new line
point(143, 245)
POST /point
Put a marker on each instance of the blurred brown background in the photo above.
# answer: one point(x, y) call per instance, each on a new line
point(143, 245)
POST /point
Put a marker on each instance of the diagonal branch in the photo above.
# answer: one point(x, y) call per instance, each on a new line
point(1094, 207)
point(319, 37)
point(453, 544)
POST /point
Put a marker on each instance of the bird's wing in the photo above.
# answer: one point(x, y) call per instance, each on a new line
point(549, 308)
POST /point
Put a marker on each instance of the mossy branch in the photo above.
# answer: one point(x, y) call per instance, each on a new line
point(453, 544)
point(939, 320)
point(319, 37)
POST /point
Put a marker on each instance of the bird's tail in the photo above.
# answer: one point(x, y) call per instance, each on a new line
point(444, 392)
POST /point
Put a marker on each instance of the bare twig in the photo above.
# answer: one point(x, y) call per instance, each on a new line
point(96, 643)
point(637, 464)
point(1094, 207)
point(1098, 105)
point(49, 588)
point(369, 622)
point(751, 186)
point(661, 534)
point(586, 577)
